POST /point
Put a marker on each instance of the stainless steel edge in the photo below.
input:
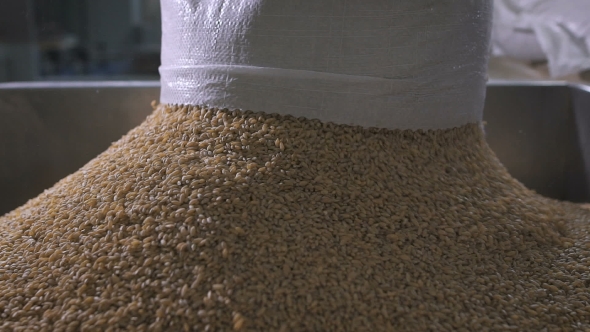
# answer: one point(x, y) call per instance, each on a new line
point(497, 82)
point(155, 83)
point(78, 85)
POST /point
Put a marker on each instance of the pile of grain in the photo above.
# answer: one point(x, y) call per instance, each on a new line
point(204, 219)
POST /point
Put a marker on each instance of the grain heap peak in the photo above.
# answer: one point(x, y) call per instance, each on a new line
point(215, 219)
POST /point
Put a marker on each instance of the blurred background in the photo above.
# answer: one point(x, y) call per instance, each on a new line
point(79, 40)
point(53, 40)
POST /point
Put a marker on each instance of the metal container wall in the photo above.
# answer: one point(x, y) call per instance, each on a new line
point(540, 131)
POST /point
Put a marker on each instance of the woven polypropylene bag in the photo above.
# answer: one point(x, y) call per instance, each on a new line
point(376, 63)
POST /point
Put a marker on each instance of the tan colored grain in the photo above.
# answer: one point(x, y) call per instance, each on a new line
point(204, 220)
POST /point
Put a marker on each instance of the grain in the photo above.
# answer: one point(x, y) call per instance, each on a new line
point(204, 219)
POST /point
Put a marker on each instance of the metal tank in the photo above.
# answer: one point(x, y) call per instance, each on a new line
point(539, 130)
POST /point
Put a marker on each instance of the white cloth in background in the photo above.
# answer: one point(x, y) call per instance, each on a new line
point(555, 30)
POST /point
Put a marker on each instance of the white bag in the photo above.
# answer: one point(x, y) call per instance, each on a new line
point(417, 64)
